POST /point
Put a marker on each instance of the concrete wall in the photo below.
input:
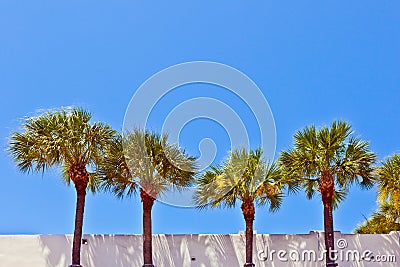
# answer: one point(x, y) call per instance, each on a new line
point(197, 250)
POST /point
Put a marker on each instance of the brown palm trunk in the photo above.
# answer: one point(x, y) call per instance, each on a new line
point(248, 213)
point(80, 208)
point(329, 234)
point(80, 177)
point(326, 188)
point(148, 202)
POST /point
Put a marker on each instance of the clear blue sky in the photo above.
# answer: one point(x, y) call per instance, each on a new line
point(315, 61)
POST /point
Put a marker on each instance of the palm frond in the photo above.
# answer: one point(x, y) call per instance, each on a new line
point(244, 175)
point(332, 150)
point(383, 221)
point(338, 197)
point(388, 178)
point(310, 187)
point(61, 138)
point(145, 159)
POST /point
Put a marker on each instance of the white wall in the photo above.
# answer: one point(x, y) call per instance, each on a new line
point(178, 250)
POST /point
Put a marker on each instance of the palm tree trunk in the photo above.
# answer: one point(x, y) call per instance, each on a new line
point(148, 202)
point(248, 213)
point(326, 187)
point(329, 234)
point(80, 208)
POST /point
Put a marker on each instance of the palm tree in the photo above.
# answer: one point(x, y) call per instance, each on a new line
point(328, 160)
point(244, 177)
point(389, 181)
point(385, 220)
point(64, 138)
point(144, 160)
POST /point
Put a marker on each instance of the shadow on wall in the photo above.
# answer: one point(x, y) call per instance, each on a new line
point(112, 250)
point(100, 250)
point(285, 250)
point(56, 249)
point(126, 250)
point(384, 250)
point(195, 250)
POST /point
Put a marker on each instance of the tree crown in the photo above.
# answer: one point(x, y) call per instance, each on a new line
point(244, 176)
point(332, 151)
point(145, 159)
point(60, 138)
point(388, 176)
